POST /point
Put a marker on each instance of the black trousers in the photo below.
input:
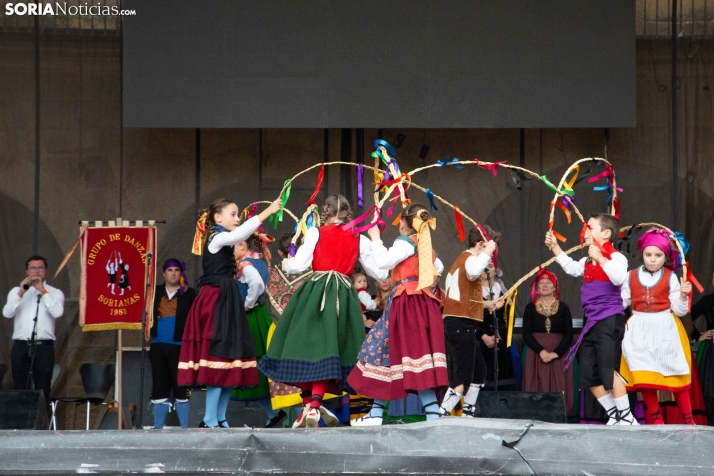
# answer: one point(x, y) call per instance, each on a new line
point(463, 345)
point(164, 372)
point(600, 352)
point(21, 356)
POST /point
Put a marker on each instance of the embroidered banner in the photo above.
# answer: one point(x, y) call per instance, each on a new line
point(114, 270)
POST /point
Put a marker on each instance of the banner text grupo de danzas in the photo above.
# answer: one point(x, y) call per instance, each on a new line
point(114, 265)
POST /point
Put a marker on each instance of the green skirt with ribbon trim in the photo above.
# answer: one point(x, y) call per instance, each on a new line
point(319, 334)
point(260, 321)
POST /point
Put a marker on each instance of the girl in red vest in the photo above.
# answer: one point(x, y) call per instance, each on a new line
point(405, 352)
point(318, 337)
point(655, 350)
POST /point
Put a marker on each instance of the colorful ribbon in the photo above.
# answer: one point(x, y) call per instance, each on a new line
point(278, 216)
point(564, 191)
point(446, 161)
point(493, 167)
point(382, 143)
point(494, 258)
point(360, 173)
point(565, 210)
point(199, 238)
point(376, 219)
point(511, 305)
point(320, 177)
point(459, 223)
point(430, 195)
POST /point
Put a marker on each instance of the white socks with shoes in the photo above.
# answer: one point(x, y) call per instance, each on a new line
point(470, 400)
point(450, 400)
point(625, 416)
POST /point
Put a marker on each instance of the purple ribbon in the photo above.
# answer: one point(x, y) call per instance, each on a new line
point(360, 173)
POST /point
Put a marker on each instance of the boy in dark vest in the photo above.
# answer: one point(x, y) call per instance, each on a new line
point(463, 311)
point(172, 302)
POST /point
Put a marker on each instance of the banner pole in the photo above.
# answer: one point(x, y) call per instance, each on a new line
point(120, 379)
point(120, 369)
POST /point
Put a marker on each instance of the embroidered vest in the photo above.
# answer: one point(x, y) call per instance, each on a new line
point(462, 294)
point(409, 268)
point(650, 299)
point(593, 271)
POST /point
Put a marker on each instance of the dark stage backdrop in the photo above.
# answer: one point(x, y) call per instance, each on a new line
point(411, 63)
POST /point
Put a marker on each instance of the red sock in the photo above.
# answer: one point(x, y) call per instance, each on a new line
point(306, 393)
point(685, 405)
point(318, 392)
point(650, 397)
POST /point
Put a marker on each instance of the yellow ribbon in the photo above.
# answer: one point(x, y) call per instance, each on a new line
point(511, 301)
point(427, 271)
point(199, 238)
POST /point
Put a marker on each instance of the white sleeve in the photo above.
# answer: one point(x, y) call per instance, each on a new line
point(439, 266)
point(366, 259)
point(303, 256)
point(389, 258)
point(626, 293)
point(13, 302)
point(678, 307)
point(228, 238)
point(367, 300)
point(256, 286)
point(54, 300)
point(616, 269)
point(570, 266)
point(475, 265)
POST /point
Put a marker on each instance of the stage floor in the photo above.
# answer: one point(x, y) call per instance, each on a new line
point(446, 446)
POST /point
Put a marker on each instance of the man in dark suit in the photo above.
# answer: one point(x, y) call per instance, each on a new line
point(172, 303)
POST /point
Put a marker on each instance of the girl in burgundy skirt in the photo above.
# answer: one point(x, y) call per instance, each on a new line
point(404, 352)
point(217, 348)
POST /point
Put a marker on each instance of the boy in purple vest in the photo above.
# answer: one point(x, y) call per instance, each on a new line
point(603, 271)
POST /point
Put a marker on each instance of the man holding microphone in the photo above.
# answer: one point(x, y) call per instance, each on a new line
point(34, 305)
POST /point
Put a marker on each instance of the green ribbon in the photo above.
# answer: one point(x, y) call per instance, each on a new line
point(278, 216)
point(564, 191)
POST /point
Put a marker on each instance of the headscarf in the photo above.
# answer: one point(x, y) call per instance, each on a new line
point(421, 223)
point(544, 274)
point(183, 280)
point(663, 240)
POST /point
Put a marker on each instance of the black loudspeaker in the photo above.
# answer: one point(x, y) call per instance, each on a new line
point(542, 406)
point(23, 410)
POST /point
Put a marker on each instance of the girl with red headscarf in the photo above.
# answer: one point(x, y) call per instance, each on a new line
point(548, 332)
point(655, 354)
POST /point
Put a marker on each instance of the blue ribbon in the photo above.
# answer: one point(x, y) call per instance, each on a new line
point(386, 145)
point(683, 243)
point(446, 161)
point(602, 188)
point(430, 194)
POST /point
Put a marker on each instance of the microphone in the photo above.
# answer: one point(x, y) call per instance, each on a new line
point(149, 255)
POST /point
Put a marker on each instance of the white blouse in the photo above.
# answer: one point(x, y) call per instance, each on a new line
point(303, 257)
point(229, 238)
point(256, 286)
point(400, 250)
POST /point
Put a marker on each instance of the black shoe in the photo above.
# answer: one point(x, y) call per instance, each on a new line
point(223, 424)
point(277, 420)
point(203, 425)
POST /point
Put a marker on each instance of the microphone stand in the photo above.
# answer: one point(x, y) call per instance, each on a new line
point(140, 420)
point(495, 334)
point(30, 384)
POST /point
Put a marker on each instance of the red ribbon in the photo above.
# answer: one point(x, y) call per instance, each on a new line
point(459, 223)
point(616, 206)
point(691, 278)
point(494, 258)
point(319, 184)
point(604, 252)
point(493, 167)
